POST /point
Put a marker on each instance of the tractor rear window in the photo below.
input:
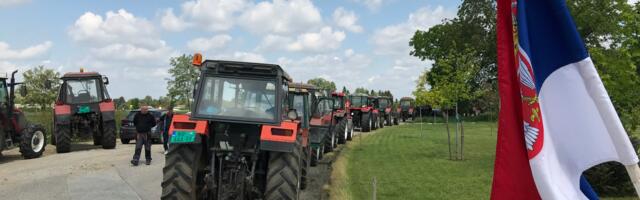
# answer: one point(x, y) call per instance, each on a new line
point(82, 91)
point(405, 103)
point(238, 98)
point(357, 101)
point(383, 103)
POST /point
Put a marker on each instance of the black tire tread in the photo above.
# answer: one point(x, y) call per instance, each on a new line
point(63, 139)
point(25, 142)
point(180, 172)
point(109, 135)
point(340, 133)
point(283, 175)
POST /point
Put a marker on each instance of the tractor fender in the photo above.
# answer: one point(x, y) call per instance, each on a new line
point(62, 114)
point(108, 111)
point(279, 138)
point(182, 122)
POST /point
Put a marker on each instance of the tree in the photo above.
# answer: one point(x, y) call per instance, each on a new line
point(38, 94)
point(120, 103)
point(322, 84)
point(133, 103)
point(184, 77)
point(344, 90)
point(361, 90)
point(373, 93)
point(148, 101)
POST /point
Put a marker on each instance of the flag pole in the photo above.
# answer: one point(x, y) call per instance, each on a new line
point(634, 174)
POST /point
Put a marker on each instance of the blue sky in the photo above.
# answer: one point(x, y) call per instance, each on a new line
point(357, 43)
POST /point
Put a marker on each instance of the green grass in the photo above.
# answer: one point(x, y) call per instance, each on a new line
point(412, 164)
point(45, 118)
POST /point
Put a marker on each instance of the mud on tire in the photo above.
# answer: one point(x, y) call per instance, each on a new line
point(180, 172)
point(284, 175)
point(30, 136)
point(63, 138)
point(109, 135)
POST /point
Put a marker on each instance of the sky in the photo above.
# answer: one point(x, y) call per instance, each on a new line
point(355, 43)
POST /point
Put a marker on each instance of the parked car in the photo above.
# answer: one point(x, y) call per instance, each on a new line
point(128, 130)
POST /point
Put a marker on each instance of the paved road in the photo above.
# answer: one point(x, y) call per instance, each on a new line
point(88, 172)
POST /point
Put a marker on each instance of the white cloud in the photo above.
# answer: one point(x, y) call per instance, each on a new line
point(346, 19)
point(171, 22)
point(633, 2)
point(206, 44)
point(6, 53)
point(394, 39)
point(371, 4)
point(344, 70)
point(129, 52)
point(7, 3)
point(115, 27)
point(281, 17)
point(323, 41)
point(242, 56)
point(213, 15)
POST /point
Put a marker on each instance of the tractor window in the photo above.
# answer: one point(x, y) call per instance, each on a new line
point(339, 102)
point(405, 103)
point(4, 97)
point(383, 103)
point(358, 101)
point(82, 91)
point(239, 98)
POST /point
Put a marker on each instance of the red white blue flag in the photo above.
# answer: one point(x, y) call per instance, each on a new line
point(556, 118)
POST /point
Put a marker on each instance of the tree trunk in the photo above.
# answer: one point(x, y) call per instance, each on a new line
point(446, 122)
point(461, 140)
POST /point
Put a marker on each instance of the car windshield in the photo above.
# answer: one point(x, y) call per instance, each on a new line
point(357, 101)
point(82, 91)
point(237, 98)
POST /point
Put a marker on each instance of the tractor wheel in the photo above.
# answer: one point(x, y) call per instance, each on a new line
point(124, 141)
point(382, 121)
point(314, 156)
point(343, 129)
point(374, 121)
point(32, 142)
point(180, 172)
point(3, 140)
point(328, 146)
point(97, 140)
point(388, 120)
point(395, 121)
point(63, 138)
point(366, 122)
point(350, 135)
point(109, 135)
point(283, 176)
point(305, 167)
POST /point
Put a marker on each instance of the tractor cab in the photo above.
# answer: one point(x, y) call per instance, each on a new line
point(406, 108)
point(384, 107)
point(362, 112)
point(342, 116)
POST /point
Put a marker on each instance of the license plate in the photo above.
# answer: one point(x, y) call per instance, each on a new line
point(183, 137)
point(84, 109)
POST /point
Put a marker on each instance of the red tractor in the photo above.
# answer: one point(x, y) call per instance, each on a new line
point(15, 130)
point(83, 108)
point(384, 107)
point(342, 116)
point(363, 114)
point(242, 140)
point(406, 109)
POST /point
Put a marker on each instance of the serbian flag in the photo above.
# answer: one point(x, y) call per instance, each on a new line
point(556, 118)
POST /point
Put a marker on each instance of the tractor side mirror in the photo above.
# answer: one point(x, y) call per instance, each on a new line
point(23, 90)
point(292, 114)
point(47, 84)
point(106, 80)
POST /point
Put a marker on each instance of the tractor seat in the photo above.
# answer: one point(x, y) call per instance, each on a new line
point(83, 97)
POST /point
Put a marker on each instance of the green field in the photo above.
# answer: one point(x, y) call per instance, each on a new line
point(408, 163)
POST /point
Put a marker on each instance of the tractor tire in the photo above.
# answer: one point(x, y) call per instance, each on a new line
point(63, 138)
point(316, 155)
point(350, 135)
point(109, 135)
point(32, 142)
point(395, 121)
point(3, 140)
point(306, 158)
point(389, 120)
point(328, 146)
point(375, 122)
point(283, 175)
point(343, 131)
point(366, 122)
point(180, 172)
point(381, 120)
point(97, 140)
point(125, 141)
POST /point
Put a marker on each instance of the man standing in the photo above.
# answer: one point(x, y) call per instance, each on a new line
point(166, 123)
point(143, 121)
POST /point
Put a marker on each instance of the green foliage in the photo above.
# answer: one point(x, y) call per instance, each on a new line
point(184, 78)
point(344, 90)
point(322, 84)
point(34, 80)
point(133, 103)
point(361, 90)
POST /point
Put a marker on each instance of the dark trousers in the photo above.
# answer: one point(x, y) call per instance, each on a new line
point(142, 139)
point(165, 140)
